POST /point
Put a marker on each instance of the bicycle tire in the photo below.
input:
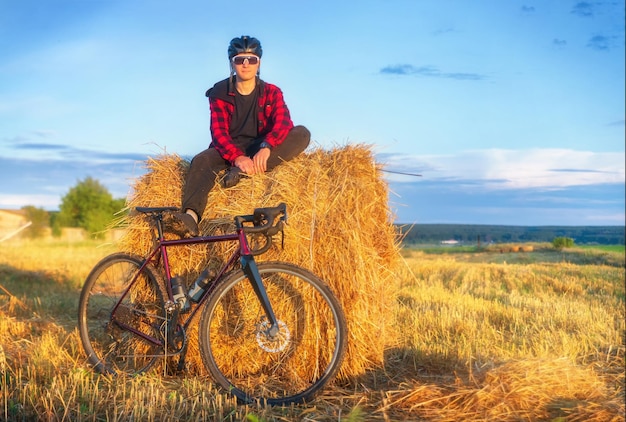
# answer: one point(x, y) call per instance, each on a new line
point(288, 368)
point(110, 348)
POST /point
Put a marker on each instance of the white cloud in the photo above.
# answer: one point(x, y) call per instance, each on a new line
point(606, 218)
point(513, 169)
point(14, 201)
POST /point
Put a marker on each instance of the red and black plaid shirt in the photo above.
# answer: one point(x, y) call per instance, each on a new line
point(274, 119)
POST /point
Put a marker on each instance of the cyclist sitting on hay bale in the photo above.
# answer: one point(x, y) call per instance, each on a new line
point(251, 129)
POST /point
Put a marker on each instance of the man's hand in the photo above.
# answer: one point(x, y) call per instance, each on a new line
point(245, 164)
point(260, 160)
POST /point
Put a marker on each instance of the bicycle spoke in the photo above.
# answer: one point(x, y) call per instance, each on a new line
point(118, 317)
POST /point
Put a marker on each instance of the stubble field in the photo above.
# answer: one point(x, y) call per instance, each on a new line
point(483, 337)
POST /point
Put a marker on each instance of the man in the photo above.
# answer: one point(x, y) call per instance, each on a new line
point(251, 131)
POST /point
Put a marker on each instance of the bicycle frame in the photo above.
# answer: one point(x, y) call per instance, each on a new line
point(243, 254)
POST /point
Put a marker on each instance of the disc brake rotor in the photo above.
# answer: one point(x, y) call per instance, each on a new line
point(272, 343)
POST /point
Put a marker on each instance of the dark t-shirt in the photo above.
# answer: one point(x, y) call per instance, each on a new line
point(244, 126)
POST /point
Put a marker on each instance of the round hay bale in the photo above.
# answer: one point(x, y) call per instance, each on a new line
point(527, 248)
point(515, 248)
point(339, 226)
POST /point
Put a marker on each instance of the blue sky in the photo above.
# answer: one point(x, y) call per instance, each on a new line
point(513, 112)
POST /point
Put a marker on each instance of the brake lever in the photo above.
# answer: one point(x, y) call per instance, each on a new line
point(279, 227)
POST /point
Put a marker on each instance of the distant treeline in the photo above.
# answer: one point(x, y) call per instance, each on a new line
point(473, 234)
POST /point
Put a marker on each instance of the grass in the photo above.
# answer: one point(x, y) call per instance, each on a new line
point(605, 248)
point(612, 255)
point(483, 335)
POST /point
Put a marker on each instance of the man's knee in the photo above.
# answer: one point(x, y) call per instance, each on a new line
point(301, 136)
point(294, 144)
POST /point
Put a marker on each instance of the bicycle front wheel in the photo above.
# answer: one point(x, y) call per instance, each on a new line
point(120, 313)
point(287, 366)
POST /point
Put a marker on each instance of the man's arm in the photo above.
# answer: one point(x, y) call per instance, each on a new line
point(277, 113)
point(221, 113)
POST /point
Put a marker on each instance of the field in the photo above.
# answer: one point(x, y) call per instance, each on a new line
point(487, 335)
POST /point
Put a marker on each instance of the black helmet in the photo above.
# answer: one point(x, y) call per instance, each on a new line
point(244, 44)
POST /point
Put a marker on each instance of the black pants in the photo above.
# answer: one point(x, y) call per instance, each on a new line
point(207, 164)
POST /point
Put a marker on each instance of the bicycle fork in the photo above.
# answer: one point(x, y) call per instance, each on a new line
point(251, 271)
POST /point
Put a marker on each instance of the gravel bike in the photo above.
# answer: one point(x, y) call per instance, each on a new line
point(271, 331)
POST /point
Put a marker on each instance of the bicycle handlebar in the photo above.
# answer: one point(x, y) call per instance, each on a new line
point(263, 220)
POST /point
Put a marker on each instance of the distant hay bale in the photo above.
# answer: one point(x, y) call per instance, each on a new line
point(528, 248)
point(339, 226)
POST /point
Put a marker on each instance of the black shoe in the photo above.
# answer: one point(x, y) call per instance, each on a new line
point(181, 224)
point(232, 177)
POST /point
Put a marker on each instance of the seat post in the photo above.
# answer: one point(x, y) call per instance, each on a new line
point(159, 223)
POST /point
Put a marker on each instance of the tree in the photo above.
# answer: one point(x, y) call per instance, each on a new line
point(562, 242)
point(88, 205)
point(39, 219)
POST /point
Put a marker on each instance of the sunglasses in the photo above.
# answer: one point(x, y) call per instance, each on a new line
point(239, 60)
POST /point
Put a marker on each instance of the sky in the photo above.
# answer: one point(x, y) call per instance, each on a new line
point(511, 111)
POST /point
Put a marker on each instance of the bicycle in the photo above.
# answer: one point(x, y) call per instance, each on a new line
point(271, 332)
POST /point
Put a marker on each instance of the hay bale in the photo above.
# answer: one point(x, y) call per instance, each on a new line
point(339, 227)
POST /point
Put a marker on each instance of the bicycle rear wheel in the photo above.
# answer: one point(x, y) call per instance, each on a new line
point(117, 317)
point(288, 367)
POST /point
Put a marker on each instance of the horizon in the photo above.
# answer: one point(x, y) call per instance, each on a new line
point(396, 223)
